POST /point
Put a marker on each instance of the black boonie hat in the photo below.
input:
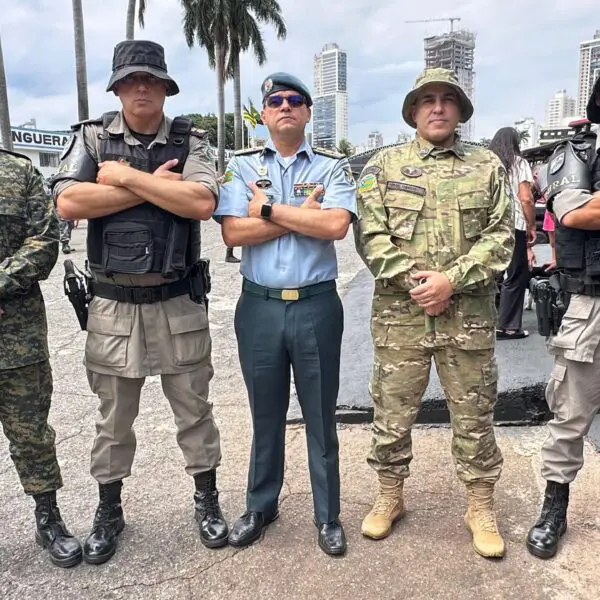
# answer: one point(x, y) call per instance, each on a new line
point(133, 56)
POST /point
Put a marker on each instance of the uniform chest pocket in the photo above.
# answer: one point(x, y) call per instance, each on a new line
point(473, 206)
point(13, 208)
point(403, 209)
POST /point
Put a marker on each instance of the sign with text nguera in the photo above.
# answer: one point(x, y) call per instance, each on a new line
point(36, 139)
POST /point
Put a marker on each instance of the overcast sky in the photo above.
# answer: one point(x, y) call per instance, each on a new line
point(525, 51)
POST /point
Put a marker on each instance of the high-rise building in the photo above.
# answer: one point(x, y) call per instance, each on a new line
point(375, 140)
point(529, 127)
point(455, 50)
point(589, 71)
point(330, 97)
point(559, 108)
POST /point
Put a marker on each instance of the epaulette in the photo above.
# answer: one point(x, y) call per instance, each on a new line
point(327, 152)
point(248, 151)
point(199, 133)
point(17, 154)
point(80, 124)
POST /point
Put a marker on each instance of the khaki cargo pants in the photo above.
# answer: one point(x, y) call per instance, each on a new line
point(128, 342)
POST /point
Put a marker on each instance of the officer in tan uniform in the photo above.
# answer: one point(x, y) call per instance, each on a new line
point(144, 182)
point(435, 224)
point(573, 392)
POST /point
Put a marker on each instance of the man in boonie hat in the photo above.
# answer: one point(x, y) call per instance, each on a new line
point(144, 182)
point(434, 225)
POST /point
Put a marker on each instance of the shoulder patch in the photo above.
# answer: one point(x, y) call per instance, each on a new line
point(17, 154)
point(247, 151)
point(372, 169)
point(327, 152)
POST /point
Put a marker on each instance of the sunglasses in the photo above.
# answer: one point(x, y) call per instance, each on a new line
point(293, 101)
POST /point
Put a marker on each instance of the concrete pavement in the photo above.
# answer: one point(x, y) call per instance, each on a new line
point(429, 555)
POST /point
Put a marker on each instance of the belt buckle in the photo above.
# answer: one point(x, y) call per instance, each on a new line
point(290, 295)
point(143, 295)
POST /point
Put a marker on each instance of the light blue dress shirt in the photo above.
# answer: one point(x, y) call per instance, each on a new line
point(292, 260)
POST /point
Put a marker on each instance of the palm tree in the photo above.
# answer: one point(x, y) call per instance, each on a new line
point(523, 136)
point(207, 22)
point(82, 91)
point(5, 132)
point(244, 34)
point(345, 148)
point(129, 29)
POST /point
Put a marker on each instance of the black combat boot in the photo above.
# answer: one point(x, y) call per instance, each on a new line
point(101, 544)
point(213, 527)
point(230, 257)
point(52, 533)
point(543, 537)
point(66, 249)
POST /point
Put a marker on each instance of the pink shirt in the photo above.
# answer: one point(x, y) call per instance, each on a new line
point(548, 222)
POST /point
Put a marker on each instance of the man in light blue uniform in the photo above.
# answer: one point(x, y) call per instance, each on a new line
point(285, 204)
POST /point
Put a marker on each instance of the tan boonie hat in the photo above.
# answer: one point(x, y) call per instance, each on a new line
point(437, 75)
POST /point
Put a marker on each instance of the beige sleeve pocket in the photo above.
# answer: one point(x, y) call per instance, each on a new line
point(190, 336)
point(107, 340)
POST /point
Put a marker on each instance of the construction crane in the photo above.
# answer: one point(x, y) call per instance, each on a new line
point(451, 19)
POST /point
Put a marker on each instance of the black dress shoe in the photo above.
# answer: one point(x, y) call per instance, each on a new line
point(101, 544)
point(332, 539)
point(248, 528)
point(51, 533)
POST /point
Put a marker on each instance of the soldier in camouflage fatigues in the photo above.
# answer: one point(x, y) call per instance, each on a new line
point(28, 252)
point(434, 226)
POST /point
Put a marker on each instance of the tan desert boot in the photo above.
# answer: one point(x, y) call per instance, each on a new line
point(388, 507)
point(481, 520)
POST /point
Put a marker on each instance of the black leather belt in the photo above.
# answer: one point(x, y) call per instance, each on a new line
point(140, 295)
point(572, 285)
point(288, 294)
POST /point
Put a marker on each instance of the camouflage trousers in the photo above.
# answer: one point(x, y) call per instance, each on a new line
point(25, 395)
point(469, 379)
point(65, 228)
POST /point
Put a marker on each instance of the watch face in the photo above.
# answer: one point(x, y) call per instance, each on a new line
point(265, 211)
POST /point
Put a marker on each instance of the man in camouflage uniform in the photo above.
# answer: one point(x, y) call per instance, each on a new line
point(28, 251)
point(434, 225)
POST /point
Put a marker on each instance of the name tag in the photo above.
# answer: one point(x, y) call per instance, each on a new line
point(304, 190)
point(401, 186)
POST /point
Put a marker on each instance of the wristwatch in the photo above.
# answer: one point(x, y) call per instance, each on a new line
point(265, 211)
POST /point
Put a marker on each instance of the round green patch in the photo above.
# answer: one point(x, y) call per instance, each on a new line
point(368, 182)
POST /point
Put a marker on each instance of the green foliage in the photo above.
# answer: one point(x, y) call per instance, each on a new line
point(209, 123)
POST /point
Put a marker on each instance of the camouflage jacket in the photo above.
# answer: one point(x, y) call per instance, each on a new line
point(447, 210)
point(28, 252)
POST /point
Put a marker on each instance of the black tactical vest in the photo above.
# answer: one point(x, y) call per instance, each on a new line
point(576, 167)
point(144, 238)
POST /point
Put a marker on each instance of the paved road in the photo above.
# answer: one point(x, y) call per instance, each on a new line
point(524, 365)
point(160, 556)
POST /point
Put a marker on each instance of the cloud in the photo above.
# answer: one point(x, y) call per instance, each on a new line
point(524, 53)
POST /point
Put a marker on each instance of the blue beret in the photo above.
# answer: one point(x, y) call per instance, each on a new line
point(284, 81)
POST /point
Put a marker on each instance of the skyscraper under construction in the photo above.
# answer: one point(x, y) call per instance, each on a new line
point(455, 51)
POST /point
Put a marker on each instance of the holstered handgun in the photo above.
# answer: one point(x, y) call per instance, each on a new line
point(76, 286)
point(200, 283)
point(551, 304)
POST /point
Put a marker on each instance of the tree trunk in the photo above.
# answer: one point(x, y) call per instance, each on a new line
point(4, 112)
point(220, 55)
point(82, 92)
point(129, 28)
point(237, 104)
